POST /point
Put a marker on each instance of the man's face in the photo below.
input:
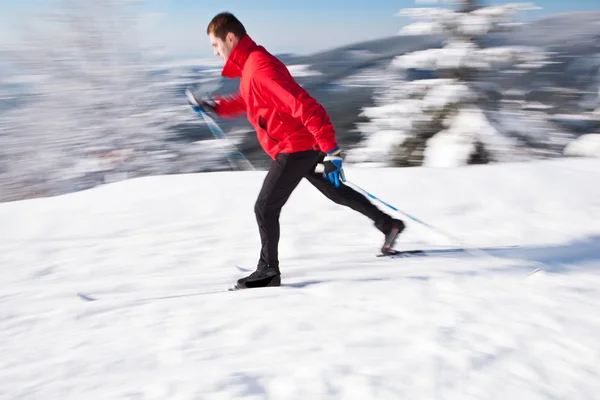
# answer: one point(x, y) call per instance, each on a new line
point(223, 48)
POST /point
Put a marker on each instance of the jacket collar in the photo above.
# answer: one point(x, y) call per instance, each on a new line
point(235, 63)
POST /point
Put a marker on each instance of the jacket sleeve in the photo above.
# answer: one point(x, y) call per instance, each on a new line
point(286, 95)
point(230, 107)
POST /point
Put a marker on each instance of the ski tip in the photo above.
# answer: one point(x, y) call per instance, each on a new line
point(85, 297)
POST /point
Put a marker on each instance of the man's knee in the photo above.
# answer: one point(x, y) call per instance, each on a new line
point(264, 210)
point(259, 207)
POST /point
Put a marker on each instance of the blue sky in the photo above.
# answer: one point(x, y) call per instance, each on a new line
point(280, 25)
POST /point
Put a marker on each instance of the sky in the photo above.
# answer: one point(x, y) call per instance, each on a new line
point(179, 26)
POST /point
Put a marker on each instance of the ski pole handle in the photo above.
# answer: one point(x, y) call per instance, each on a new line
point(320, 168)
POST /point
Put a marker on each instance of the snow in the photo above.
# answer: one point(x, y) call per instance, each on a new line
point(214, 65)
point(380, 145)
point(576, 117)
point(585, 146)
point(531, 57)
point(536, 105)
point(453, 146)
point(359, 54)
point(214, 62)
point(346, 324)
point(386, 113)
point(479, 22)
point(21, 79)
point(462, 54)
point(449, 148)
point(421, 28)
point(302, 70)
point(368, 77)
point(444, 94)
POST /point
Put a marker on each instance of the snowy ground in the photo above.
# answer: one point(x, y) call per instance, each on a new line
point(346, 324)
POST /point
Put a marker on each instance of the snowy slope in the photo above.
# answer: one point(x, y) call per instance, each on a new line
point(346, 324)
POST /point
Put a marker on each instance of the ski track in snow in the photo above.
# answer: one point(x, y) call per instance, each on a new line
point(517, 323)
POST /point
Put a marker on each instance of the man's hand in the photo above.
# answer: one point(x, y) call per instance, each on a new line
point(332, 167)
point(206, 106)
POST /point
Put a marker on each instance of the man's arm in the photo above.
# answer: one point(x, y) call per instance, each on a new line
point(230, 107)
point(286, 95)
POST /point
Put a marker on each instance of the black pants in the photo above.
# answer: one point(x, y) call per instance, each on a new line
point(285, 174)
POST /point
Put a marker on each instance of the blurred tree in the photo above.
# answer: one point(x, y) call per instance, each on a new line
point(597, 111)
point(588, 145)
point(455, 118)
point(90, 112)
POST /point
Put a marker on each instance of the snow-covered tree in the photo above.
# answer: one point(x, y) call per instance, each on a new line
point(92, 97)
point(587, 145)
point(597, 111)
point(451, 119)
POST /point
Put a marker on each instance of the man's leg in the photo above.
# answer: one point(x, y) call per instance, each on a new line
point(346, 196)
point(283, 177)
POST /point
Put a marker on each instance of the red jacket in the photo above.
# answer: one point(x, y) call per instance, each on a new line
point(286, 118)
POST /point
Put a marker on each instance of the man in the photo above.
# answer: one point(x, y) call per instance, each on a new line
point(293, 129)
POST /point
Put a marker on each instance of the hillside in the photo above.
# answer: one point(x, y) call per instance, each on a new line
point(157, 253)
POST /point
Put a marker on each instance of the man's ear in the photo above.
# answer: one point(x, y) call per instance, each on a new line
point(231, 38)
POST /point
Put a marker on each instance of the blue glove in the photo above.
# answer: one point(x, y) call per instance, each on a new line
point(332, 167)
point(198, 105)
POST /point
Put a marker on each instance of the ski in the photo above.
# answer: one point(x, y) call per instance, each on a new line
point(420, 253)
point(87, 297)
point(242, 269)
point(440, 252)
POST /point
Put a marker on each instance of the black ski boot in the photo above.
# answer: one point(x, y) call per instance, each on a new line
point(262, 277)
point(391, 232)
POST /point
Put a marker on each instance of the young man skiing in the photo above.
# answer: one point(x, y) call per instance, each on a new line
point(293, 129)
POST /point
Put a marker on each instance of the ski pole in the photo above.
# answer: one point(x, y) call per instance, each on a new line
point(216, 130)
point(417, 220)
point(457, 240)
point(320, 168)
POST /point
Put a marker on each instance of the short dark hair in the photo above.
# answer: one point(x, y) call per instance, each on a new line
point(224, 23)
